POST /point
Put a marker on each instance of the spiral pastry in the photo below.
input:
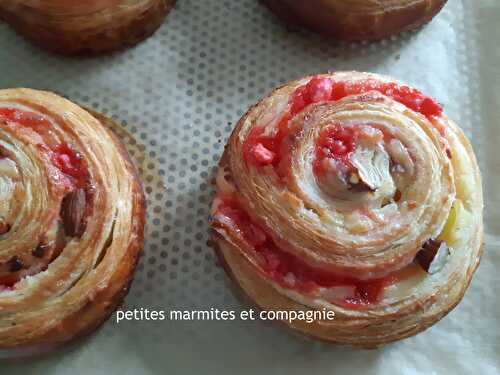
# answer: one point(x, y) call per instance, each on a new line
point(71, 221)
point(85, 27)
point(358, 19)
point(353, 193)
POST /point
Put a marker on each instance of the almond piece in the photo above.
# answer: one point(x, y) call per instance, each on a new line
point(372, 168)
point(433, 256)
point(15, 264)
point(4, 227)
point(41, 250)
point(72, 213)
point(8, 168)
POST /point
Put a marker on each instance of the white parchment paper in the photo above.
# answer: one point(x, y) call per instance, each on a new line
point(178, 96)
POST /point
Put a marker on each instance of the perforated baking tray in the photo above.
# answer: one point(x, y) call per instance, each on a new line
point(178, 96)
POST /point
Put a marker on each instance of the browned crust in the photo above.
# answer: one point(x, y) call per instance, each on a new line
point(108, 33)
point(96, 312)
point(336, 19)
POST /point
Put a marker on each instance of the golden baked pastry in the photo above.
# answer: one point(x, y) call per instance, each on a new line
point(353, 193)
point(72, 216)
point(85, 27)
point(357, 19)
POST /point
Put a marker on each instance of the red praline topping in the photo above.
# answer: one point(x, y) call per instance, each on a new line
point(24, 118)
point(66, 159)
point(70, 162)
point(334, 142)
point(262, 155)
point(320, 89)
point(282, 266)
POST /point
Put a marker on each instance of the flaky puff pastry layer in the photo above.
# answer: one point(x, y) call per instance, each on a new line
point(93, 243)
point(85, 27)
point(432, 191)
point(359, 19)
